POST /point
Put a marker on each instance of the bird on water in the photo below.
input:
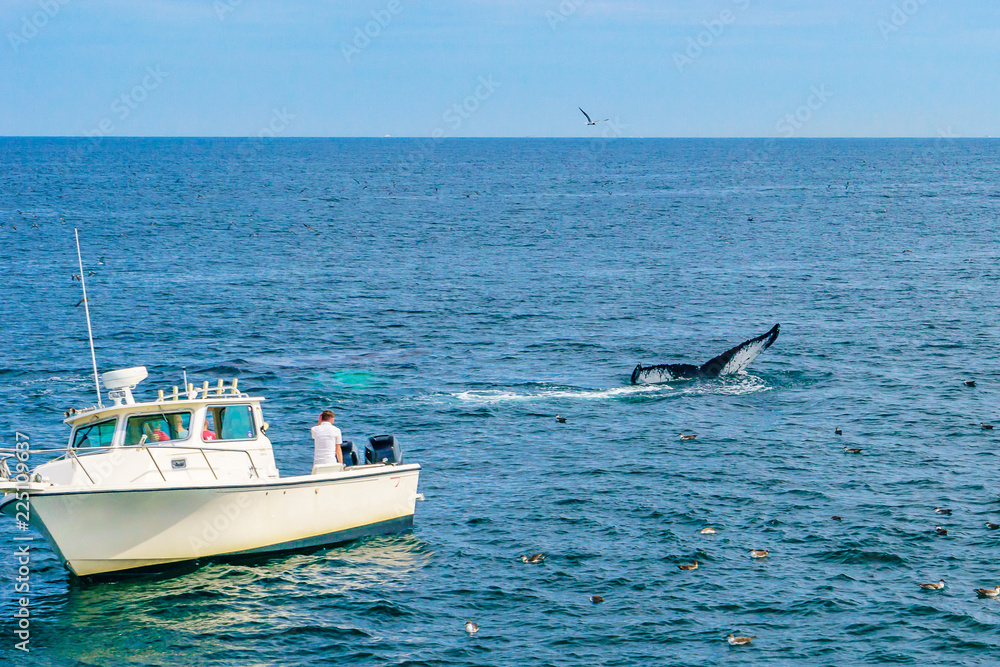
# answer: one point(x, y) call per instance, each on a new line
point(739, 641)
point(471, 627)
point(933, 587)
point(689, 566)
point(988, 592)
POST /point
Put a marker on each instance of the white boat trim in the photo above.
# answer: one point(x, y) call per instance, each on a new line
point(375, 470)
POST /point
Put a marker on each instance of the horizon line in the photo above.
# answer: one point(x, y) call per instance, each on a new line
point(520, 137)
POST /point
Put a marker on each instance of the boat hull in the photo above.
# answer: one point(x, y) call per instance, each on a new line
point(113, 530)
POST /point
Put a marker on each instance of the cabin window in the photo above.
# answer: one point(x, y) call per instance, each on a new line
point(95, 435)
point(232, 422)
point(157, 428)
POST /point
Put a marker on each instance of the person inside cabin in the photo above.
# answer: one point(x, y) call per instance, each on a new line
point(327, 438)
point(207, 433)
point(156, 432)
point(177, 426)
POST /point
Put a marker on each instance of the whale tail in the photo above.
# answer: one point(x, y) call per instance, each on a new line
point(727, 363)
point(637, 373)
point(664, 373)
point(738, 358)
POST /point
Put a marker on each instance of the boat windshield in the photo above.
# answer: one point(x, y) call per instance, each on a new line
point(162, 427)
point(231, 422)
point(95, 435)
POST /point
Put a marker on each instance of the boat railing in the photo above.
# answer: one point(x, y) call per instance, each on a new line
point(71, 452)
point(191, 392)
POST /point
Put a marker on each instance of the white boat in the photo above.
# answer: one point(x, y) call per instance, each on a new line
point(191, 476)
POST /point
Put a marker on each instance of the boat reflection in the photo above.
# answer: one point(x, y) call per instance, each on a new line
point(269, 594)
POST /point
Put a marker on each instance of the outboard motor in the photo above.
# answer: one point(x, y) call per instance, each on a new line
point(350, 453)
point(383, 449)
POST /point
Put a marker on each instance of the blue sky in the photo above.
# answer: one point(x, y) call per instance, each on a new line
point(664, 68)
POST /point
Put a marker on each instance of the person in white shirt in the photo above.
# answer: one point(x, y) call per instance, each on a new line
point(328, 440)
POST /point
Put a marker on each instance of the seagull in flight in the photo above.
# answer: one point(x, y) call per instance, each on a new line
point(592, 122)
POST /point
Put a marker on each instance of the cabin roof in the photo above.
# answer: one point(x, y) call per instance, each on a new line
point(169, 402)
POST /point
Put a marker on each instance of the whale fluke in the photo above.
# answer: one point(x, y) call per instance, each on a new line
point(727, 363)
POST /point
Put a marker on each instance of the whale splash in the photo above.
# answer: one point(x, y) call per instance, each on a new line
point(727, 363)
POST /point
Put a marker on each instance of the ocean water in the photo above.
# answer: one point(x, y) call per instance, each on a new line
point(460, 294)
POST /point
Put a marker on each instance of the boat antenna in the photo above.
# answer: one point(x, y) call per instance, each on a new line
point(86, 309)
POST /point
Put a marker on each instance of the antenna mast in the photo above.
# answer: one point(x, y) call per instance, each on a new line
point(86, 309)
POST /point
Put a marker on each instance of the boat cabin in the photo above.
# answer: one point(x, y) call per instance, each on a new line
point(210, 434)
